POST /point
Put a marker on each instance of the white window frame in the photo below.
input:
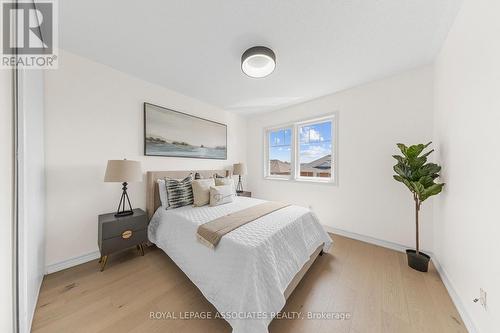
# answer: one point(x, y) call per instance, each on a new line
point(295, 146)
point(267, 171)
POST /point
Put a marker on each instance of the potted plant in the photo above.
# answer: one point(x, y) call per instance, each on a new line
point(419, 177)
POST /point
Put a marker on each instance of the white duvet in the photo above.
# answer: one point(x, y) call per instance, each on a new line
point(248, 272)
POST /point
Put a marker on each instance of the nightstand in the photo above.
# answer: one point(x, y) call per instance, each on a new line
point(244, 194)
point(119, 233)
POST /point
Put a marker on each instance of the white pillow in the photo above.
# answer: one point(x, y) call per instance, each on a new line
point(201, 191)
point(220, 195)
point(225, 181)
point(162, 188)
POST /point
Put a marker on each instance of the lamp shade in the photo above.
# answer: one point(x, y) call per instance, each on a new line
point(121, 171)
point(239, 169)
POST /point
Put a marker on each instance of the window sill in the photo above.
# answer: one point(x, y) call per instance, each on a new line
point(278, 178)
point(302, 180)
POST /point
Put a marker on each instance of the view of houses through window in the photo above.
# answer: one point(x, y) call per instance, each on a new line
point(280, 152)
point(312, 144)
point(315, 150)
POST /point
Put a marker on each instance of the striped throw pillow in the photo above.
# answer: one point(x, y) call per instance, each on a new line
point(179, 192)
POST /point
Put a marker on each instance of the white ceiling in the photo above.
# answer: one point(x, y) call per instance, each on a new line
point(194, 46)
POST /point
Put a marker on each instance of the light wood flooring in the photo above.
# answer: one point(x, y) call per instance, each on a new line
point(371, 283)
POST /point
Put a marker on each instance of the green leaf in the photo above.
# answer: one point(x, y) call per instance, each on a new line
point(408, 184)
point(399, 158)
point(430, 191)
point(428, 153)
point(419, 188)
point(401, 170)
point(427, 181)
point(402, 147)
point(398, 178)
point(429, 169)
point(404, 181)
point(418, 162)
point(414, 151)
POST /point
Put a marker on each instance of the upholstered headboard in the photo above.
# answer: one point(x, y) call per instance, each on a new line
point(153, 195)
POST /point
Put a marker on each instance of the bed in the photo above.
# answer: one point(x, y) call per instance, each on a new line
point(254, 269)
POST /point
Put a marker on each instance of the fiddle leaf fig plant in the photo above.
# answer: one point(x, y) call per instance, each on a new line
point(419, 176)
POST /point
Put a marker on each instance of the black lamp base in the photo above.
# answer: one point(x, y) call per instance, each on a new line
point(124, 213)
point(121, 212)
point(239, 187)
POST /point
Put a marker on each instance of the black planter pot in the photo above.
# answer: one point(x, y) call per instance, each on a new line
point(419, 262)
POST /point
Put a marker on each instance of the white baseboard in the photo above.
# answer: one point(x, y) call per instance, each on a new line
point(367, 239)
point(469, 324)
point(52, 268)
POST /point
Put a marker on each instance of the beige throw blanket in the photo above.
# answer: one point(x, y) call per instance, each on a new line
point(210, 233)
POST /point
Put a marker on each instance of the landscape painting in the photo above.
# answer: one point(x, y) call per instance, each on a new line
point(176, 134)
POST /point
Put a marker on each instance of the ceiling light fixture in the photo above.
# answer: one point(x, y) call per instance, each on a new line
point(258, 61)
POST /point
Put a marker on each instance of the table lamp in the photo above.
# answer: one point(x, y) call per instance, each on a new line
point(239, 169)
point(123, 171)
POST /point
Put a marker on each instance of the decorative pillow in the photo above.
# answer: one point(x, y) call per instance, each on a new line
point(225, 181)
point(201, 191)
point(179, 192)
point(220, 195)
point(162, 189)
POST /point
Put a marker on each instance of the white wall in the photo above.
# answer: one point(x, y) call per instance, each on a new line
point(372, 119)
point(31, 223)
point(95, 113)
point(6, 199)
point(467, 131)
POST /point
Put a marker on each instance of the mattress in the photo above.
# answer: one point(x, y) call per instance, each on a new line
point(246, 275)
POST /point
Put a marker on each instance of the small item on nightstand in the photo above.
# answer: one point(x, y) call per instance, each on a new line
point(244, 194)
point(123, 171)
point(239, 169)
point(119, 233)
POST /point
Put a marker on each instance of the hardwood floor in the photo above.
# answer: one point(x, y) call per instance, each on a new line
point(371, 283)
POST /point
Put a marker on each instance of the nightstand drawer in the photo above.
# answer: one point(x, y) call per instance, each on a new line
point(128, 239)
point(116, 228)
point(122, 232)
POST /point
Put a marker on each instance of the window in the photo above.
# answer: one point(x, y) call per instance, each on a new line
point(315, 149)
point(303, 151)
point(280, 152)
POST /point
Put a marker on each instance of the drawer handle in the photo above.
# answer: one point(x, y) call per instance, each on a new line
point(127, 234)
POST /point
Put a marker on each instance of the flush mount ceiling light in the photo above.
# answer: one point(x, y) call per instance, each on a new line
point(258, 61)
